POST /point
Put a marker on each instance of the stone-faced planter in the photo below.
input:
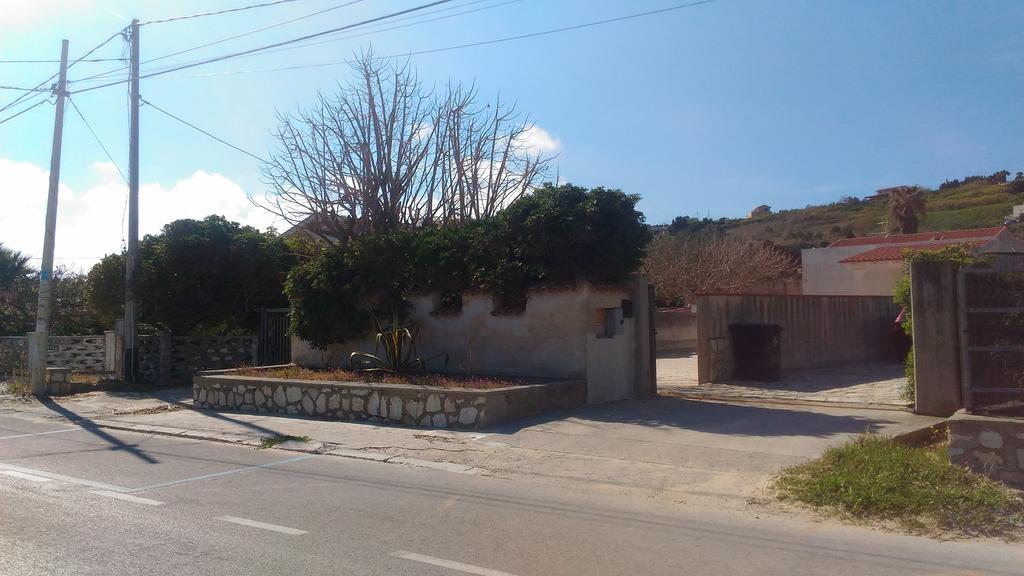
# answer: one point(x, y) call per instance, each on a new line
point(414, 405)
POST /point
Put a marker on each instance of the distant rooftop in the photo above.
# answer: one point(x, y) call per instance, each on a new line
point(896, 251)
point(946, 237)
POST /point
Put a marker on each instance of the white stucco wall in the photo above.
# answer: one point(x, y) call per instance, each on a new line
point(549, 339)
point(823, 274)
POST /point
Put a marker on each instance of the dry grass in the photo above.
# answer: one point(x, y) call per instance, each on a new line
point(339, 375)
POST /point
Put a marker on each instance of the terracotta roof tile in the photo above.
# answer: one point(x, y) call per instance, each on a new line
point(896, 252)
point(977, 233)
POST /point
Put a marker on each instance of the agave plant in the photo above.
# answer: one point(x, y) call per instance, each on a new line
point(398, 343)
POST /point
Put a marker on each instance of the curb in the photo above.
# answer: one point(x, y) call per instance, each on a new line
point(311, 447)
point(783, 402)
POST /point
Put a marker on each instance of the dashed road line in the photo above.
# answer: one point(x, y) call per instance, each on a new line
point(61, 431)
point(219, 474)
point(25, 476)
point(63, 478)
point(128, 497)
point(450, 564)
point(262, 525)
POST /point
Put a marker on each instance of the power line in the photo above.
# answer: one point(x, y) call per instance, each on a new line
point(55, 74)
point(250, 32)
point(214, 13)
point(276, 44)
point(16, 114)
point(194, 127)
point(23, 89)
point(45, 61)
point(229, 38)
point(456, 47)
point(98, 141)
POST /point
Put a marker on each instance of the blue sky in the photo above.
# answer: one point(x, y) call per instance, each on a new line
point(707, 110)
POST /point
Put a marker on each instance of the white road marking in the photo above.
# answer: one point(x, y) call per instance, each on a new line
point(24, 476)
point(62, 430)
point(63, 478)
point(128, 497)
point(450, 564)
point(262, 525)
point(219, 474)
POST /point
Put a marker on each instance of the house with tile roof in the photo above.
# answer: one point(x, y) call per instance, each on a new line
point(871, 265)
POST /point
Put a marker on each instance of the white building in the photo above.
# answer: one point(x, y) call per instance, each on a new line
point(871, 265)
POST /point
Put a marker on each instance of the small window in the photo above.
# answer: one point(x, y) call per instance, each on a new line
point(608, 322)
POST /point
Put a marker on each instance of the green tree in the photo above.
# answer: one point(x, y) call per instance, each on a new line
point(205, 276)
point(15, 292)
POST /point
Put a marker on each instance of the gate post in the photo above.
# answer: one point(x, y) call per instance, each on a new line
point(933, 295)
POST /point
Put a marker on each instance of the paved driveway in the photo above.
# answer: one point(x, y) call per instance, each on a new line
point(868, 384)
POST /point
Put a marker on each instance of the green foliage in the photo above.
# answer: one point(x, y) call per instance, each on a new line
point(398, 342)
point(71, 314)
point(197, 276)
point(556, 235)
point(874, 477)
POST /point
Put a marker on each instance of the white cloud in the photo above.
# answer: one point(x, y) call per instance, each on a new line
point(89, 222)
point(19, 14)
point(539, 141)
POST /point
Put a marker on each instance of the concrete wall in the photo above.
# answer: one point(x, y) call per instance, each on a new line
point(562, 333)
point(936, 338)
point(824, 275)
point(677, 329)
point(817, 331)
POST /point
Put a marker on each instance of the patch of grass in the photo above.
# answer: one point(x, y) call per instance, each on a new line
point(271, 441)
point(875, 478)
point(339, 375)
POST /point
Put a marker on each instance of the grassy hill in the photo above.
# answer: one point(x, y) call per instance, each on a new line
point(973, 205)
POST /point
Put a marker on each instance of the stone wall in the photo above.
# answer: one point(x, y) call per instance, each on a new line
point(423, 406)
point(817, 331)
point(993, 446)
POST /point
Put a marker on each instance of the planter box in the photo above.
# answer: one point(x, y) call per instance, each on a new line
point(414, 405)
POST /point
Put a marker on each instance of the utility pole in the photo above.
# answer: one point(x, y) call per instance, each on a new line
point(131, 328)
point(39, 339)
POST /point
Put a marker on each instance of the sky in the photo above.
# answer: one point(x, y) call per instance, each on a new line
point(708, 110)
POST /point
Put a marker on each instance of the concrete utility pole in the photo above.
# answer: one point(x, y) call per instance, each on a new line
point(39, 339)
point(131, 328)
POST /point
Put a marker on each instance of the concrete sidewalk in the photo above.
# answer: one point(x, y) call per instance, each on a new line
point(663, 448)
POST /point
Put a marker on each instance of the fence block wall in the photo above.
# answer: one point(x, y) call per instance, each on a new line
point(79, 353)
point(817, 331)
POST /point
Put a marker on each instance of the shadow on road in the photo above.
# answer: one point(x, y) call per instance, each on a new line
point(92, 428)
point(713, 418)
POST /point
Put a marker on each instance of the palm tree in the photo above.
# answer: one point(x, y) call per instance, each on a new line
point(13, 265)
point(907, 207)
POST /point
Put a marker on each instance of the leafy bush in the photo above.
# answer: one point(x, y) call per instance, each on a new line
point(555, 235)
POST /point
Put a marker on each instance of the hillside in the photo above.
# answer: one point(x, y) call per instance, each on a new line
point(972, 205)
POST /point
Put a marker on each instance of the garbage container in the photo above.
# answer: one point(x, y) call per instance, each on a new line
point(757, 352)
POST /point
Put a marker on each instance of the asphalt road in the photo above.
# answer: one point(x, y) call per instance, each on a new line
point(88, 501)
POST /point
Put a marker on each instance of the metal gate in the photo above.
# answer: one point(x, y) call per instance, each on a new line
point(991, 308)
point(274, 344)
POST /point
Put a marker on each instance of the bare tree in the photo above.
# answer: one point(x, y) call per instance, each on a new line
point(385, 153)
point(682, 266)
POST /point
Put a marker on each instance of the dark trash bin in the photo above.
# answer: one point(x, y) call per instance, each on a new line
point(757, 352)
